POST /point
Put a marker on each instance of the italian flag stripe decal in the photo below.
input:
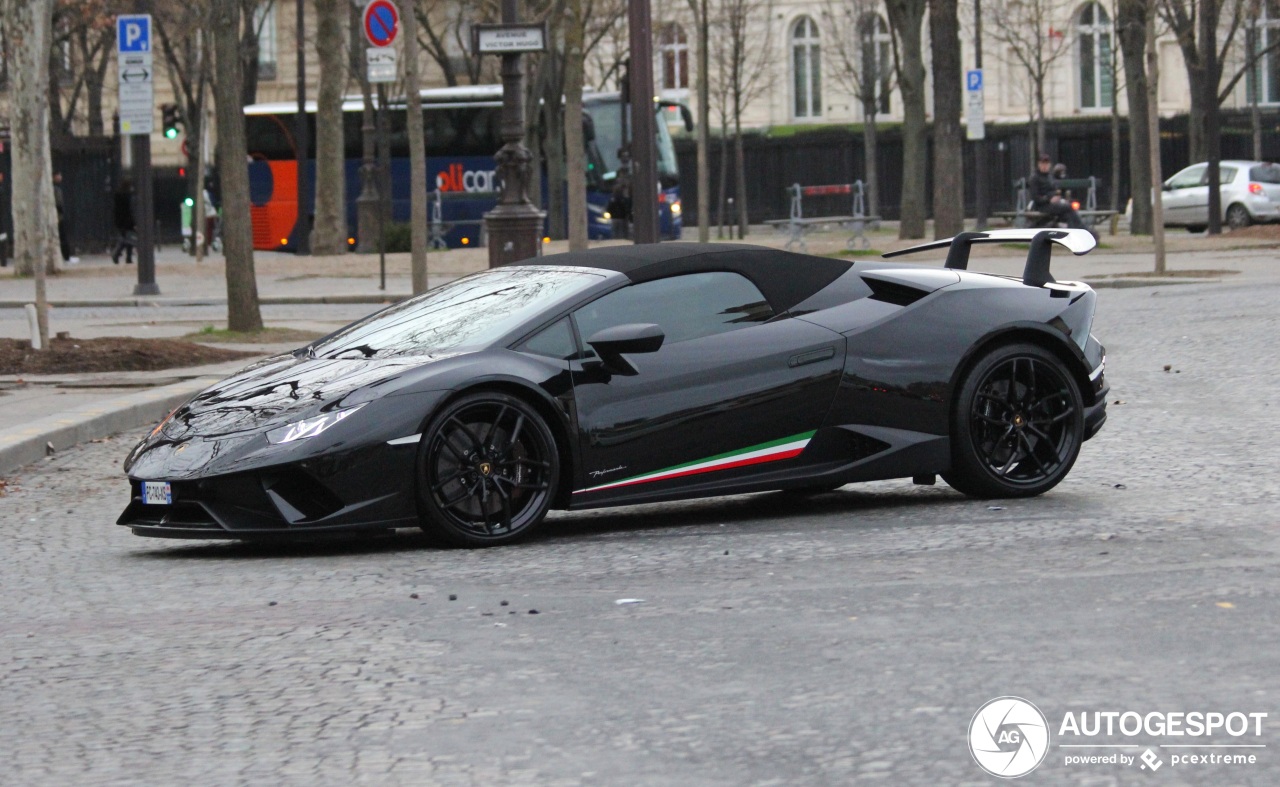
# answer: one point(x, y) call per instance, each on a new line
point(773, 451)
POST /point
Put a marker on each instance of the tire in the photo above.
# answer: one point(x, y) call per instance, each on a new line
point(1017, 423)
point(1238, 217)
point(487, 471)
point(1196, 229)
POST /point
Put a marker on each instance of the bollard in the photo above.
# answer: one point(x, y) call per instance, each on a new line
point(34, 322)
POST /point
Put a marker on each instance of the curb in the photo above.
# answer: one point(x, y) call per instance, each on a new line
point(280, 300)
point(91, 421)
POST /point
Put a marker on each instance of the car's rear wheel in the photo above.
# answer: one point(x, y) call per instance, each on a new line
point(1238, 217)
point(487, 471)
point(1017, 424)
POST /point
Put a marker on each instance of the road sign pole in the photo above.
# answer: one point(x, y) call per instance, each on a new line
point(981, 179)
point(644, 164)
point(137, 117)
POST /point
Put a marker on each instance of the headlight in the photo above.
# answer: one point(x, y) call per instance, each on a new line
point(675, 208)
point(606, 215)
point(310, 427)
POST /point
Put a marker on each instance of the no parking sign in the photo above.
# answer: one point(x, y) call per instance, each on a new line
point(381, 22)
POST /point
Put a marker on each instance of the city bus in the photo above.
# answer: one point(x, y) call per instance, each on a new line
point(462, 126)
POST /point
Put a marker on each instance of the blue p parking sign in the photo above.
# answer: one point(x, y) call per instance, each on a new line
point(133, 34)
point(973, 80)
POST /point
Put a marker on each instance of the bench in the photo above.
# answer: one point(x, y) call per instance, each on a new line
point(1024, 216)
point(797, 226)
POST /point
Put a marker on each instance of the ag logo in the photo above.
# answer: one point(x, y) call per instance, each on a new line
point(1008, 737)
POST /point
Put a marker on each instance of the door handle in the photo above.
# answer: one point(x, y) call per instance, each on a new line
point(813, 356)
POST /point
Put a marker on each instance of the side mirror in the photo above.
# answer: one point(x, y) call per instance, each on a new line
point(611, 343)
point(1167, 186)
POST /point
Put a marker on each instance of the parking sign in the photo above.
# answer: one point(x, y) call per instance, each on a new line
point(133, 34)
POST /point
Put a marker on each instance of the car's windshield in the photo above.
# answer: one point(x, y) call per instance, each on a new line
point(463, 315)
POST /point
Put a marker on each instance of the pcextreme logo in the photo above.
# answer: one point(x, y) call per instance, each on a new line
point(1009, 737)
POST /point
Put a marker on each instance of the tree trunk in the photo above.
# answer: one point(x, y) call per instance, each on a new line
point(1042, 140)
point(948, 142)
point(870, 150)
point(553, 148)
point(1114, 185)
point(329, 233)
point(724, 178)
point(1153, 133)
point(237, 233)
point(1131, 29)
point(1208, 39)
point(704, 123)
point(248, 54)
point(740, 175)
point(906, 17)
point(28, 28)
point(575, 151)
point(417, 158)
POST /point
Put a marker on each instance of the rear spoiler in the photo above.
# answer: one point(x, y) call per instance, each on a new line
point(1036, 273)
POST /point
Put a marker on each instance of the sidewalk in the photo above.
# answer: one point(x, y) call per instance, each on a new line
point(39, 414)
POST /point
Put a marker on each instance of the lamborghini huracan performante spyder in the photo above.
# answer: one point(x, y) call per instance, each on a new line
point(637, 374)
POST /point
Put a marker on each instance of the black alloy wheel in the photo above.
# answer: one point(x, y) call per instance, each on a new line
point(487, 471)
point(1238, 217)
point(1017, 426)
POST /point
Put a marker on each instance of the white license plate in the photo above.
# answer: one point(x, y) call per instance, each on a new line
point(157, 493)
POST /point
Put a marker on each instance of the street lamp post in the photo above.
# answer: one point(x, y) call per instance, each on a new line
point(514, 225)
point(644, 176)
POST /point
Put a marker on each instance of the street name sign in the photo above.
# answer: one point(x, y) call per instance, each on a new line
point(508, 39)
point(134, 69)
point(381, 23)
point(381, 63)
point(975, 111)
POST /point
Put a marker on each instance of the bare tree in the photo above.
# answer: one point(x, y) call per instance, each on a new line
point(862, 62)
point(253, 18)
point(82, 47)
point(28, 30)
point(1153, 126)
point(1025, 29)
point(1131, 26)
point(745, 58)
point(444, 27)
point(180, 28)
point(702, 24)
point(948, 143)
point(906, 17)
point(243, 313)
point(329, 233)
point(575, 23)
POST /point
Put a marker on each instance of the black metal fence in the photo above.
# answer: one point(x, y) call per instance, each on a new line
point(835, 155)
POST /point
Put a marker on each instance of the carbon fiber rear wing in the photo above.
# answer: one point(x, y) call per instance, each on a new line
point(1036, 273)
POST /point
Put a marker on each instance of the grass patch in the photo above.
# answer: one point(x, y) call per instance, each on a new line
point(210, 335)
point(856, 253)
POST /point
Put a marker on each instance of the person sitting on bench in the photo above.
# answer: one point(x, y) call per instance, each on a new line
point(1047, 198)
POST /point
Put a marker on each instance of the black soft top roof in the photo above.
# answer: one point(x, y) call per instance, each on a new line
point(783, 277)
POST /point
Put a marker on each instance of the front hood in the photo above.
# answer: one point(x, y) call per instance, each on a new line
point(282, 389)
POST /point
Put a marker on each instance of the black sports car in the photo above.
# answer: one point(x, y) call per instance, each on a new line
point(636, 374)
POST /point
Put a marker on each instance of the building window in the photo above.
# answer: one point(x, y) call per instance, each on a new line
point(1094, 34)
point(876, 51)
point(673, 49)
point(264, 20)
point(806, 66)
point(1264, 36)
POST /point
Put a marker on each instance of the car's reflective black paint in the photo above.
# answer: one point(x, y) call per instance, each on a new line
point(847, 373)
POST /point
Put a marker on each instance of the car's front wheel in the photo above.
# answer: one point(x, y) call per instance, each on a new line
point(1017, 424)
point(487, 471)
point(1238, 217)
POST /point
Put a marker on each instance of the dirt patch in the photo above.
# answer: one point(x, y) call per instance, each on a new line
point(112, 354)
point(1257, 231)
point(264, 336)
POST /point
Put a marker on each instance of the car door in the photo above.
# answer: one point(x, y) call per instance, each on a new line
point(732, 391)
point(1185, 191)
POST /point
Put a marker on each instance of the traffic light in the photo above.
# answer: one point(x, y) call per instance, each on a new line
point(172, 119)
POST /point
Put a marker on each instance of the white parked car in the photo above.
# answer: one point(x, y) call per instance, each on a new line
point(1250, 195)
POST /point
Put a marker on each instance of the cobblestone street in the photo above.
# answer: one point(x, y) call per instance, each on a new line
point(841, 639)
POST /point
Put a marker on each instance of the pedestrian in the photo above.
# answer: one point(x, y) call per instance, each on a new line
point(210, 220)
point(1047, 198)
point(59, 202)
point(126, 227)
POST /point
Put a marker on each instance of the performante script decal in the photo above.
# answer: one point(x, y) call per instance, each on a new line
point(773, 451)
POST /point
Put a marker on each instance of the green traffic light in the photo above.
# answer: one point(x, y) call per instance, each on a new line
point(189, 202)
point(171, 133)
